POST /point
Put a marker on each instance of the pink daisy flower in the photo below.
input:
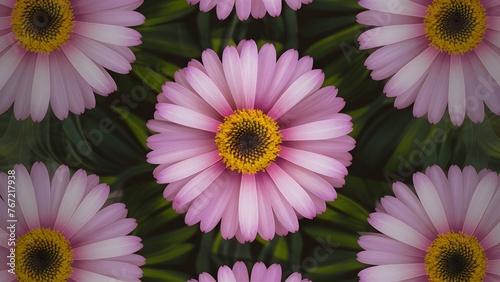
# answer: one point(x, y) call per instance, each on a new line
point(60, 231)
point(448, 231)
point(251, 141)
point(55, 51)
point(259, 273)
point(257, 8)
point(438, 54)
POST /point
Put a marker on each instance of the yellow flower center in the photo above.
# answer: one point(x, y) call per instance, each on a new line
point(42, 25)
point(455, 26)
point(43, 255)
point(248, 141)
point(455, 257)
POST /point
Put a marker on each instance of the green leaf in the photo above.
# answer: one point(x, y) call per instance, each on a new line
point(136, 125)
point(159, 12)
point(171, 38)
point(323, 47)
point(160, 275)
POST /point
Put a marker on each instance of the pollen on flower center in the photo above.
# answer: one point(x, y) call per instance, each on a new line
point(43, 255)
point(455, 26)
point(248, 141)
point(42, 25)
point(455, 257)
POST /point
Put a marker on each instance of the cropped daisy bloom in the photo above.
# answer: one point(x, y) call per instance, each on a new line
point(53, 229)
point(257, 8)
point(259, 273)
point(55, 51)
point(449, 231)
point(438, 54)
point(251, 141)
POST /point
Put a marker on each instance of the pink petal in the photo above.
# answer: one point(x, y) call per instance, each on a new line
point(184, 97)
point(114, 17)
point(205, 277)
point(429, 86)
point(392, 272)
point(382, 63)
point(317, 130)
point(248, 212)
point(479, 202)
point(489, 58)
point(112, 34)
point(258, 10)
point(215, 71)
point(74, 84)
point(456, 93)
point(101, 54)
point(205, 5)
point(58, 94)
point(243, 9)
point(377, 18)
point(118, 228)
point(58, 187)
point(210, 206)
point(281, 76)
point(402, 7)
point(492, 239)
point(110, 248)
point(225, 274)
point(431, 202)
point(91, 6)
point(198, 184)
point(387, 35)
point(22, 102)
point(40, 176)
point(205, 87)
point(398, 230)
point(302, 87)
point(187, 167)
point(88, 69)
point(494, 266)
point(318, 163)
point(26, 197)
point(284, 212)
point(311, 181)
point(266, 216)
point(396, 208)
point(294, 277)
point(9, 62)
point(273, 7)
point(87, 209)
point(250, 68)
point(224, 8)
point(265, 75)
point(292, 191)
point(80, 275)
point(240, 271)
point(409, 74)
point(273, 273)
point(170, 152)
point(258, 272)
point(187, 117)
point(232, 66)
point(41, 88)
point(71, 200)
point(380, 242)
point(229, 223)
point(8, 3)
point(105, 217)
point(115, 269)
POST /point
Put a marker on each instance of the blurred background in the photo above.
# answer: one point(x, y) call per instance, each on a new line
point(110, 140)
